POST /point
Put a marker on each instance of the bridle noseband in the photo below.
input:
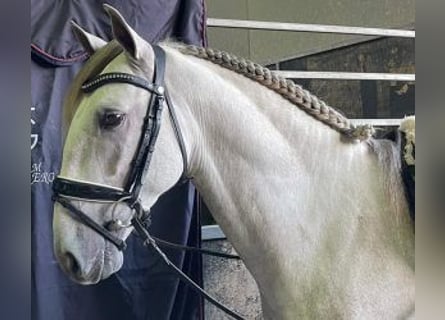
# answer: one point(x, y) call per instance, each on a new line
point(66, 189)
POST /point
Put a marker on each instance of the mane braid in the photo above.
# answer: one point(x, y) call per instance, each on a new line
point(286, 88)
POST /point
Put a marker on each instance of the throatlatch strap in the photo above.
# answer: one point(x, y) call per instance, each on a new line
point(178, 134)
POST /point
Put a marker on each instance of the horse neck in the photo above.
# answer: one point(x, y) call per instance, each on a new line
point(243, 137)
point(270, 173)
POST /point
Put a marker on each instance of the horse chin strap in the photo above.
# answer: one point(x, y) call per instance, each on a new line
point(66, 189)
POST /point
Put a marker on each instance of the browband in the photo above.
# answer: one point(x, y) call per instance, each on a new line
point(119, 77)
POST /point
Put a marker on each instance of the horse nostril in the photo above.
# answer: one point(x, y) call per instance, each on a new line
point(71, 263)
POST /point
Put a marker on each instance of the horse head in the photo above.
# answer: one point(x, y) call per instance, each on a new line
point(104, 155)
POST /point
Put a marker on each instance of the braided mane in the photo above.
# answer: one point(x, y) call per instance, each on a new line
point(286, 88)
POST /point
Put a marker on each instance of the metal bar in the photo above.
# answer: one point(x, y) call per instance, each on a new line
point(212, 232)
point(377, 122)
point(346, 75)
point(303, 27)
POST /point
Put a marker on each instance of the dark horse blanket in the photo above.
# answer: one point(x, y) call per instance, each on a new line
point(144, 288)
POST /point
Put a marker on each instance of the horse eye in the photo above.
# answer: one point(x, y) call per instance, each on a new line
point(111, 119)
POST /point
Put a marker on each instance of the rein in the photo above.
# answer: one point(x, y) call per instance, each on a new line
point(67, 189)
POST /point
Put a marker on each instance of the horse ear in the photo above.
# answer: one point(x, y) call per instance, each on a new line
point(89, 41)
point(123, 33)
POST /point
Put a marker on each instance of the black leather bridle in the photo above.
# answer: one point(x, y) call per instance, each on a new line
point(66, 189)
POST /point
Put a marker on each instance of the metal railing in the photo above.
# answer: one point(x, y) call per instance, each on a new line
point(346, 75)
point(304, 27)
